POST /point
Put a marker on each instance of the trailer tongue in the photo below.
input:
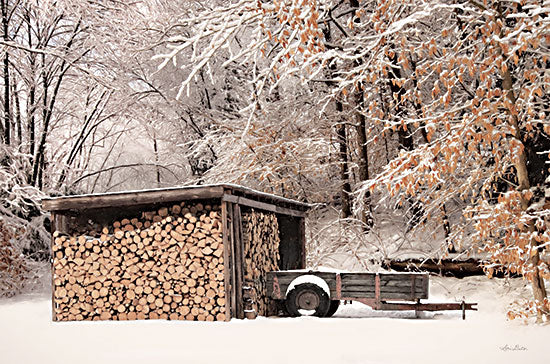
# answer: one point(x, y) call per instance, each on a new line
point(320, 293)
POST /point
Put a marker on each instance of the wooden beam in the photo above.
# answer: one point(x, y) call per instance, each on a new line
point(238, 244)
point(262, 205)
point(265, 197)
point(60, 222)
point(226, 261)
point(53, 220)
point(131, 198)
point(231, 263)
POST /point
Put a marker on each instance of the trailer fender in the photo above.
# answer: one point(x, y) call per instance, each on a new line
point(309, 278)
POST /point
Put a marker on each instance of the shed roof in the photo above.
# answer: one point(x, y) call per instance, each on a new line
point(230, 192)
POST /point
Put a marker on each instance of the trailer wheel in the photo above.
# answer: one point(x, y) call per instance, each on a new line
point(334, 304)
point(307, 299)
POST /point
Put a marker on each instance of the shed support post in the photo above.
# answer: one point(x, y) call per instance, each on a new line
point(232, 263)
point(227, 262)
point(238, 260)
point(53, 221)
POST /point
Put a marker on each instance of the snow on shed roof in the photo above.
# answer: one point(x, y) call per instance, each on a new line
point(162, 195)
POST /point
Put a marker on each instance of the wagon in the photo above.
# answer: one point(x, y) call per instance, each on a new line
point(319, 293)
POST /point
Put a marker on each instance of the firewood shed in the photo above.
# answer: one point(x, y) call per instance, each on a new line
point(186, 253)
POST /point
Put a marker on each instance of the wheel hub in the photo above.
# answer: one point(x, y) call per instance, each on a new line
point(307, 300)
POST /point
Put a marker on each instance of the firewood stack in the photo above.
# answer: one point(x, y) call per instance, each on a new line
point(261, 255)
point(168, 264)
point(13, 267)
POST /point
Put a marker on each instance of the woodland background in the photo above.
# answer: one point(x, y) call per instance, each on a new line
point(416, 128)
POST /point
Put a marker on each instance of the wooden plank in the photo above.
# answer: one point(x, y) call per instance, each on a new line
point(231, 238)
point(131, 198)
point(358, 294)
point(398, 284)
point(382, 289)
point(367, 278)
point(60, 222)
point(263, 196)
point(401, 289)
point(294, 274)
point(361, 275)
point(53, 219)
point(385, 278)
point(238, 244)
point(369, 282)
point(386, 297)
point(227, 267)
point(262, 205)
point(355, 287)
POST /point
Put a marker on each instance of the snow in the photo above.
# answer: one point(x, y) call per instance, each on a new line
point(356, 335)
point(309, 278)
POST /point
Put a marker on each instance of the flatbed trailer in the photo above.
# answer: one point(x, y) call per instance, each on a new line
point(320, 293)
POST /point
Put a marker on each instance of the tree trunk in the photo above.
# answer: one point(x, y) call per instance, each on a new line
point(342, 140)
point(48, 105)
point(447, 229)
point(32, 91)
point(37, 162)
point(345, 192)
point(156, 151)
point(363, 162)
point(17, 114)
point(7, 114)
point(520, 163)
point(405, 138)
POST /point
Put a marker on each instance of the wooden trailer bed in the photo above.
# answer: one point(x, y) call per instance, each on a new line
point(343, 286)
point(376, 290)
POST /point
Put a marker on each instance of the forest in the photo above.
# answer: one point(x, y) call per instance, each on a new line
point(416, 129)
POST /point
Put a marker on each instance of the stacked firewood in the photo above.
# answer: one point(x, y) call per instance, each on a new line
point(13, 267)
point(167, 264)
point(261, 255)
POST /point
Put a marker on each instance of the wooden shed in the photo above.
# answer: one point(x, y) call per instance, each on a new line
point(188, 253)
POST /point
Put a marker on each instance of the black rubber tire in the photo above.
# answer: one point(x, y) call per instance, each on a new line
point(293, 297)
point(334, 304)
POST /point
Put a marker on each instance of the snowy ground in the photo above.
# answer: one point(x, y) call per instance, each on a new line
point(355, 335)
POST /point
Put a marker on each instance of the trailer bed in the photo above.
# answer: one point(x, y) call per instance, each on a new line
point(380, 291)
point(351, 286)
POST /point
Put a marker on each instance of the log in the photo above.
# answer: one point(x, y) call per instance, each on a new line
point(446, 267)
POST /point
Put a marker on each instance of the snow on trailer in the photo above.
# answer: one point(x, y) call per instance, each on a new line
point(189, 253)
point(319, 293)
